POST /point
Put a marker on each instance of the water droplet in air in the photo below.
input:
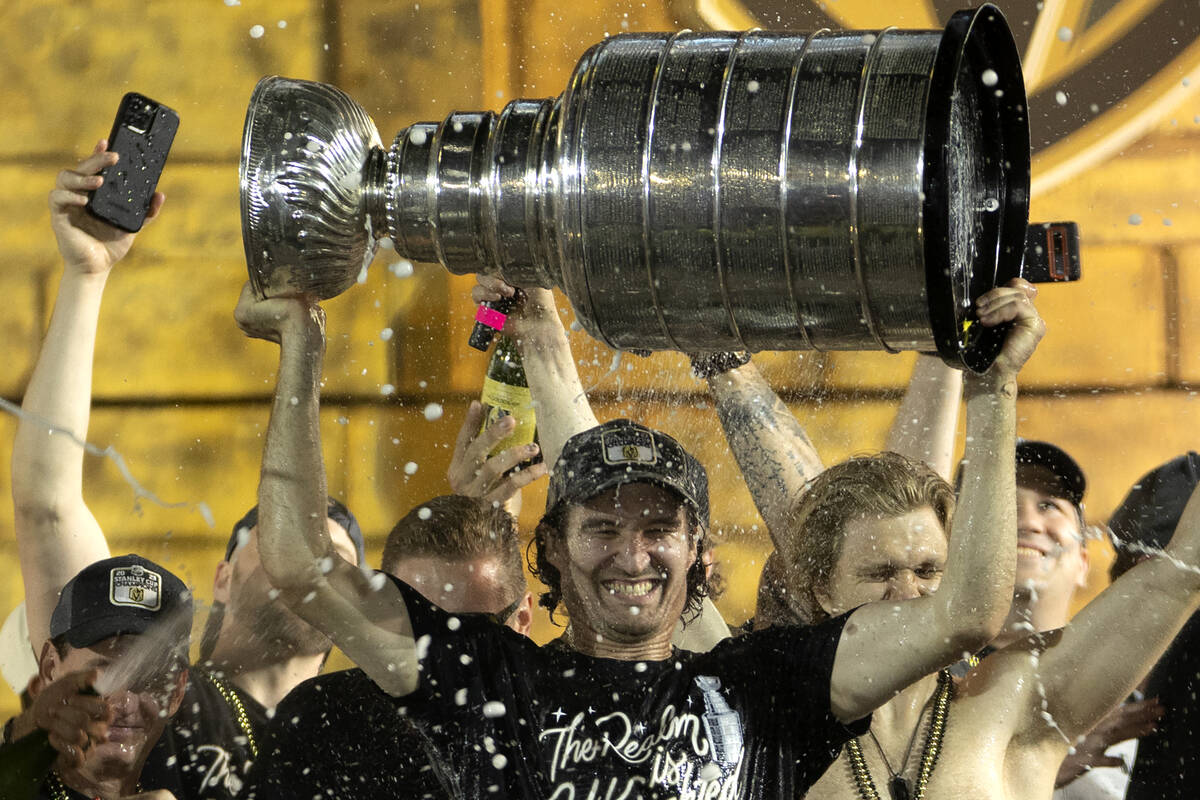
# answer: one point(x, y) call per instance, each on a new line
point(433, 412)
point(1060, 97)
point(1135, 219)
point(1065, 34)
point(494, 709)
point(417, 136)
point(424, 513)
point(387, 389)
point(386, 334)
point(410, 468)
point(402, 268)
point(256, 31)
point(989, 77)
point(752, 87)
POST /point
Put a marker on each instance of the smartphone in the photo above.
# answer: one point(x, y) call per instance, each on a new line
point(141, 134)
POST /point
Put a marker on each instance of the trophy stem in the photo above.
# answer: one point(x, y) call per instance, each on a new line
point(470, 192)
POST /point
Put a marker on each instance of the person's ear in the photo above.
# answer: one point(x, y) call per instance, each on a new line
point(48, 664)
point(555, 546)
point(825, 602)
point(1085, 561)
point(221, 582)
point(177, 692)
point(522, 619)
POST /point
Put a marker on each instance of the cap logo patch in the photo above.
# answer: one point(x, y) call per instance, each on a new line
point(628, 447)
point(135, 586)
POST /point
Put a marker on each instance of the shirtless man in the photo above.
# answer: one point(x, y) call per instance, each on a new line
point(1014, 716)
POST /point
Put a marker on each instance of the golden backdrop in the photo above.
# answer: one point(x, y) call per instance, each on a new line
point(183, 397)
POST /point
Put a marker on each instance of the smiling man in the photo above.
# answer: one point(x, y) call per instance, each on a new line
point(611, 709)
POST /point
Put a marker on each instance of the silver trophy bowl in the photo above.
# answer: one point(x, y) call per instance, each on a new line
point(690, 191)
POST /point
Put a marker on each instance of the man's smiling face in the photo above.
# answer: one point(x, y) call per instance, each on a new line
point(624, 558)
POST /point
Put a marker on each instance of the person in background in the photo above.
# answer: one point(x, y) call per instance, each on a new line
point(110, 677)
point(1165, 761)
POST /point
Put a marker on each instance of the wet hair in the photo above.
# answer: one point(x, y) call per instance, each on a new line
point(457, 528)
point(884, 485)
point(554, 523)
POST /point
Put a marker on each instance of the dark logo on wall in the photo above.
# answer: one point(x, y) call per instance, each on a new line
point(1098, 73)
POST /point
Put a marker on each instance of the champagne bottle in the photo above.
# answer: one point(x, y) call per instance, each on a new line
point(506, 393)
point(25, 764)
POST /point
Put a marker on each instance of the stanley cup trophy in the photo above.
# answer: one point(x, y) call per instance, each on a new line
point(690, 191)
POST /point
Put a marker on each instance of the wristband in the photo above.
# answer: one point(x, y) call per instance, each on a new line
point(706, 365)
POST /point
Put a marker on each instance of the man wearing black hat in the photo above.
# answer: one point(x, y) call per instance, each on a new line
point(610, 709)
point(259, 650)
point(111, 676)
point(1167, 763)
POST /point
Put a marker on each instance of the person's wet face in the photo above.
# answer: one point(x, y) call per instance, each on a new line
point(469, 585)
point(258, 612)
point(138, 713)
point(623, 560)
point(886, 558)
point(1050, 552)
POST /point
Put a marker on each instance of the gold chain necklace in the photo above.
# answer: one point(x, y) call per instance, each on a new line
point(58, 789)
point(239, 710)
point(929, 754)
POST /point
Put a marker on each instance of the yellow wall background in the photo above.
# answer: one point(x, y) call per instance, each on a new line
point(184, 397)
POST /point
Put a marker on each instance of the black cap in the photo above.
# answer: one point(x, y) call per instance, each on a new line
point(125, 594)
point(1149, 513)
point(336, 512)
point(1055, 459)
point(620, 452)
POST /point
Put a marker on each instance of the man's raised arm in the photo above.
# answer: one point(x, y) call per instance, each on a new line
point(57, 536)
point(1106, 649)
point(772, 450)
point(887, 646)
point(361, 613)
point(926, 420)
point(777, 458)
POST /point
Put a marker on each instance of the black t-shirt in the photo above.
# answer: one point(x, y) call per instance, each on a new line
point(749, 719)
point(340, 736)
point(204, 754)
point(1168, 760)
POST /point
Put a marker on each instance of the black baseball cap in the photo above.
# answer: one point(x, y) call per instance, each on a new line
point(1148, 515)
point(1054, 458)
point(620, 452)
point(122, 595)
point(336, 512)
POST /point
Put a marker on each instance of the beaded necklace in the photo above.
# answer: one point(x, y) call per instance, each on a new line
point(239, 710)
point(898, 787)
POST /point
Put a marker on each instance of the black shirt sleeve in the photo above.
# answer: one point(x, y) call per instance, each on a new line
point(784, 674)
